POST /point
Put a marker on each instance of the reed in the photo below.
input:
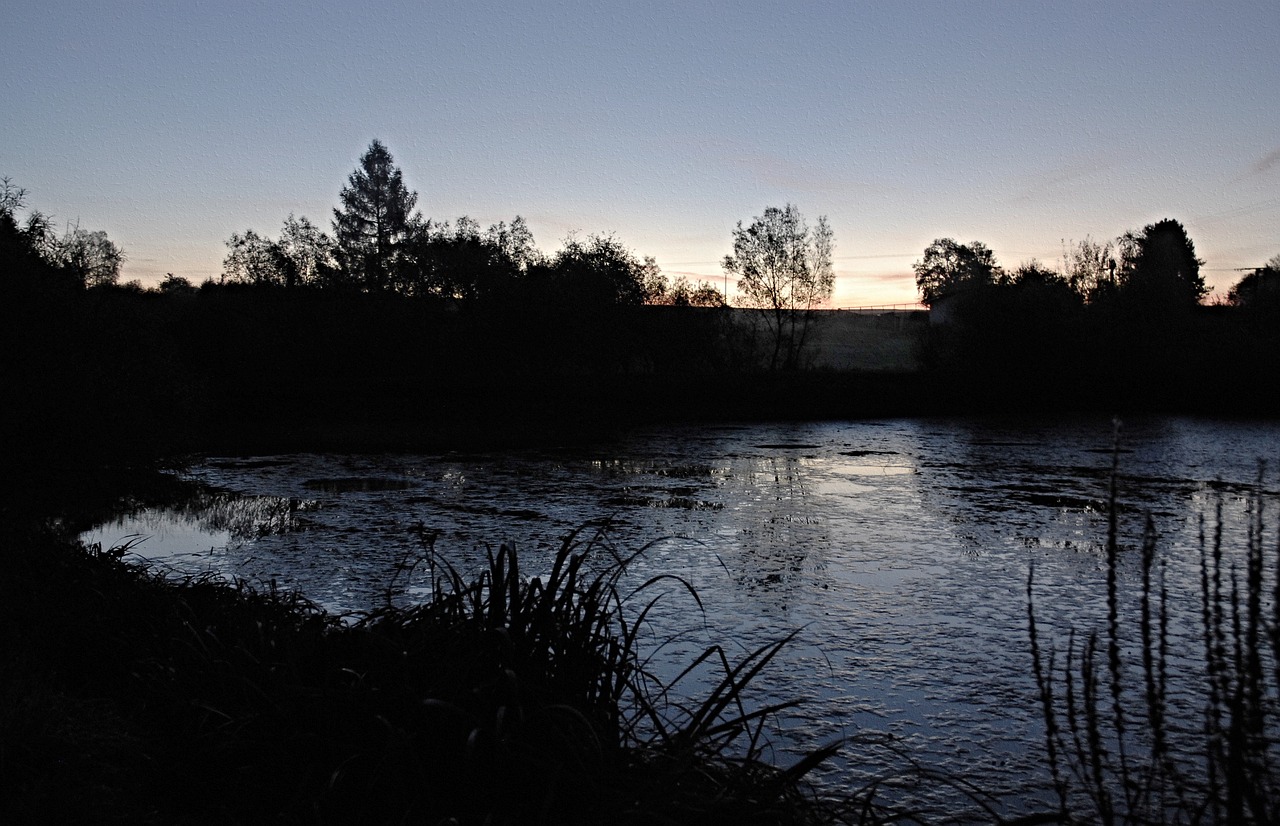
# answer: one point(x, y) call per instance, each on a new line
point(1106, 707)
point(501, 698)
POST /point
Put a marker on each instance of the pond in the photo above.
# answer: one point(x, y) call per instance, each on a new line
point(899, 549)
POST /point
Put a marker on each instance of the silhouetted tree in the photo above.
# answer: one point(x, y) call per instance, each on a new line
point(785, 268)
point(1016, 339)
point(679, 293)
point(1090, 268)
point(254, 259)
point(23, 246)
point(656, 285)
point(459, 261)
point(949, 267)
point(1260, 289)
point(686, 293)
point(374, 221)
point(1159, 270)
point(175, 285)
point(515, 242)
point(304, 255)
point(12, 196)
point(1042, 294)
point(570, 311)
point(444, 259)
point(90, 258)
point(599, 271)
point(79, 259)
point(309, 254)
point(1034, 275)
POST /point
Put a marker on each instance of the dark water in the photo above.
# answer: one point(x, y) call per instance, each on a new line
point(900, 549)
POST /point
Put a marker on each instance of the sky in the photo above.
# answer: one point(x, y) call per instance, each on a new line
point(1023, 125)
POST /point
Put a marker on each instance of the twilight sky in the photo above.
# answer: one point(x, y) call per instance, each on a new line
point(172, 125)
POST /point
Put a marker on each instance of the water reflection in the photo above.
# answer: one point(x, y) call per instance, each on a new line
point(782, 536)
point(159, 533)
point(901, 549)
point(205, 524)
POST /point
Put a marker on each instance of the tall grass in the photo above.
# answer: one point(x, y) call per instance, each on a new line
point(1117, 752)
point(500, 698)
point(578, 718)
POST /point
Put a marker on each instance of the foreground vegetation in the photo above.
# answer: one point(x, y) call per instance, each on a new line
point(1117, 750)
point(130, 698)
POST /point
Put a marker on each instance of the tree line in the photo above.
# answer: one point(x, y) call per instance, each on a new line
point(1154, 271)
point(1156, 268)
point(386, 317)
point(381, 244)
point(1121, 323)
point(78, 258)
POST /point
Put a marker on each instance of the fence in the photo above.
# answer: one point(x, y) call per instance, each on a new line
point(884, 308)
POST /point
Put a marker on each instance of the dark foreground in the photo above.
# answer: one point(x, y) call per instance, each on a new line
point(132, 699)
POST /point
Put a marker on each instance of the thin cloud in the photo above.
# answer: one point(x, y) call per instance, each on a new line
point(888, 278)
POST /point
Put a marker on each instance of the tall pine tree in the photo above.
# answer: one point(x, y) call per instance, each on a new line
point(374, 220)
